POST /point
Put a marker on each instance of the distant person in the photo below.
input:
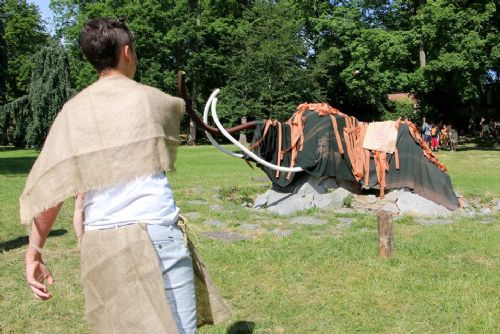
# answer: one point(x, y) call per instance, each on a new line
point(484, 129)
point(434, 137)
point(444, 137)
point(453, 138)
point(426, 132)
point(472, 127)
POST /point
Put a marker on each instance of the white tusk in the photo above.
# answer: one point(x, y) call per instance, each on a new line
point(246, 150)
point(209, 136)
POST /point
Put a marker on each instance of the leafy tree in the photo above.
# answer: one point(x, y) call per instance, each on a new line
point(196, 36)
point(268, 77)
point(24, 35)
point(456, 38)
point(49, 90)
point(3, 59)
point(32, 115)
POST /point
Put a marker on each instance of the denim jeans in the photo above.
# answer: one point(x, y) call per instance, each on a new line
point(177, 269)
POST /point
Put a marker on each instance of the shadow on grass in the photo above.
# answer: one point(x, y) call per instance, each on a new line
point(479, 144)
point(23, 241)
point(241, 327)
point(16, 165)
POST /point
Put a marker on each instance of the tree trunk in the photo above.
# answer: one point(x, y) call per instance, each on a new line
point(422, 55)
point(243, 136)
point(192, 125)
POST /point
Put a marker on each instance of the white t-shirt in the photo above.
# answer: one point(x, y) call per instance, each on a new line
point(145, 199)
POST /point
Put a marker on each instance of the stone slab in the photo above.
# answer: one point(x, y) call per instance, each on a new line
point(191, 215)
point(281, 233)
point(417, 205)
point(391, 207)
point(307, 220)
point(226, 236)
point(344, 222)
point(261, 200)
point(292, 204)
point(434, 221)
point(248, 227)
point(496, 202)
point(214, 223)
point(333, 200)
point(197, 202)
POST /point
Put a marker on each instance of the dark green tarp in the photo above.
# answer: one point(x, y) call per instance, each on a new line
point(321, 157)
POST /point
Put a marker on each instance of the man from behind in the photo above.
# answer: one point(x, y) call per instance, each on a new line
point(110, 146)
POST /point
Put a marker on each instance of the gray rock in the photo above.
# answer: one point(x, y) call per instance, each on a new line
point(391, 207)
point(216, 207)
point(333, 200)
point(370, 199)
point(485, 211)
point(249, 227)
point(276, 198)
point(328, 201)
point(345, 211)
point(306, 220)
point(314, 185)
point(281, 233)
point(196, 202)
point(496, 203)
point(417, 205)
point(192, 215)
point(487, 221)
point(434, 221)
point(310, 187)
point(261, 200)
point(345, 222)
point(226, 236)
point(214, 223)
point(392, 196)
point(292, 204)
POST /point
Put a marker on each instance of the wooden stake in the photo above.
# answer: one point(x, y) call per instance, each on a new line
point(384, 224)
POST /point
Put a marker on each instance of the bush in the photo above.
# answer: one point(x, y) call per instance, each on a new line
point(399, 109)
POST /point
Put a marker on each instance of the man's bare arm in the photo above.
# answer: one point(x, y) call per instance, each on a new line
point(36, 270)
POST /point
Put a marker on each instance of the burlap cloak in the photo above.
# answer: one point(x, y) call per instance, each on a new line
point(111, 132)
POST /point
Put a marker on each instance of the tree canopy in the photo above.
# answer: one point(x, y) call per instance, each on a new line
point(269, 56)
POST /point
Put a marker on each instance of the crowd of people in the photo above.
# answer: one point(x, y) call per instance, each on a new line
point(439, 135)
point(442, 136)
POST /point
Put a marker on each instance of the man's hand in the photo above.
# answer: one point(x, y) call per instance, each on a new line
point(36, 275)
point(36, 271)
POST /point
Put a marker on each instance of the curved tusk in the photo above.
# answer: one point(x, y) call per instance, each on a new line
point(209, 136)
point(243, 148)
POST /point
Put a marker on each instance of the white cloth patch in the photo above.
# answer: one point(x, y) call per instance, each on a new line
point(381, 136)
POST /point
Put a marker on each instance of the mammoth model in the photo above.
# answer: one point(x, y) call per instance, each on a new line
point(320, 140)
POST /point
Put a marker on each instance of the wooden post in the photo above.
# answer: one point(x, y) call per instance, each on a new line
point(384, 224)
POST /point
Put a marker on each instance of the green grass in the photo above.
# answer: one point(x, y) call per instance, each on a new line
point(320, 279)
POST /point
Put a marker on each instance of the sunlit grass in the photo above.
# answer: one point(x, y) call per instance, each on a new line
point(320, 279)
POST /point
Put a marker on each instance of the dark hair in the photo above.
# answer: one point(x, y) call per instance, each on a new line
point(101, 40)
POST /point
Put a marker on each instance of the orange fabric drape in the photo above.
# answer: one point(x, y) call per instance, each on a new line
point(353, 135)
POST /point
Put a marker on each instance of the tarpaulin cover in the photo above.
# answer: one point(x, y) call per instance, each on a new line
point(321, 156)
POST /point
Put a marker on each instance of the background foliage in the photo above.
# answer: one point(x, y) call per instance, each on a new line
point(269, 56)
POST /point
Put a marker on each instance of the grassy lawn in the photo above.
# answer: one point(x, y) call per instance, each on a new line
point(320, 279)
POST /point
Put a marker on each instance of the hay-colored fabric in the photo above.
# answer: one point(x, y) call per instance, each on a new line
point(111, 132)
point(123, 285)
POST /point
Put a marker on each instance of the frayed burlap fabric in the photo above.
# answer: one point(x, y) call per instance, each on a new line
point(111, 132)
point(123, 285)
